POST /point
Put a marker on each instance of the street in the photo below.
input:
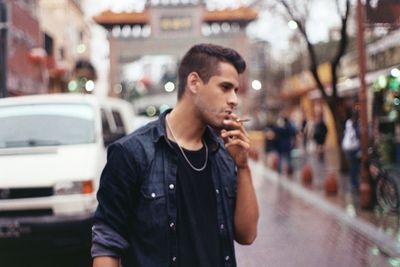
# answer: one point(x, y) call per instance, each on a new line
point(294, 233)
point(43, 258)
point(291, 232)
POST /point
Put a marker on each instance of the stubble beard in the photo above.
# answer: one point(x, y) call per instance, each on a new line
point(213, 118)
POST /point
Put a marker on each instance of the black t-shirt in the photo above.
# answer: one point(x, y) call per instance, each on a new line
point(197, 224)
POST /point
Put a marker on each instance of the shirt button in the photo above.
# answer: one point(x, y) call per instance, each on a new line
point(174, 259)
point(171, 225)
point(171, 186)
point(227, 258)
point(153, 195)
point(217, 191)
point(222, 226)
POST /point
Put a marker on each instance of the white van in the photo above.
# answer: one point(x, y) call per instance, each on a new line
point(52, 152)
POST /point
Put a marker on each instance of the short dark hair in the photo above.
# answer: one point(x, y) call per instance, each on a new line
point(204, 59)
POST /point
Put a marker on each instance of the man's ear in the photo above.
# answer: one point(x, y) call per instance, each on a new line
point(193, 82)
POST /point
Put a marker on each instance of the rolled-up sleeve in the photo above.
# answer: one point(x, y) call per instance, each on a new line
point(105, 241)
point(110, 230)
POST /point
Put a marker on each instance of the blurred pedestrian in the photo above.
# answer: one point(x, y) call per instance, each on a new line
point(320, 132)
point(173, 192)
point(351, 148)
point(285, 138)
point(305, 133)
point(269, 138)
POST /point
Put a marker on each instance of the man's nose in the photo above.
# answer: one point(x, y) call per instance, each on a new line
point(233, 99)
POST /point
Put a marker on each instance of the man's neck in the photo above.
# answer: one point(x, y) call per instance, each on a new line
point(186, 127)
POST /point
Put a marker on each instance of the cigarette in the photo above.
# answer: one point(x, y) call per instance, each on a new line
point(242, 120)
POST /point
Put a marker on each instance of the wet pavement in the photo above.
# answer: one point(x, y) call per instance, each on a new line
point(300, 228)
point(385, 223)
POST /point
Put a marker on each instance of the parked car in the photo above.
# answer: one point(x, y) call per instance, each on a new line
point(52, 152)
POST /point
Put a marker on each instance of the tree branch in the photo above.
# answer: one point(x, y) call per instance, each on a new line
point(310, 48)
point(341, 49)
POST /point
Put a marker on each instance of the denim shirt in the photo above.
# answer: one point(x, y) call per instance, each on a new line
point(137, 212)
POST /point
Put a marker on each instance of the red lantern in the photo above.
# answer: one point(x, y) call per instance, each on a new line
point(58, 71)
point(307, 175)
point(37, 55)
point(331, 184)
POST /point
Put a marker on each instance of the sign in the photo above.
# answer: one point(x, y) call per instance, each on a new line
point(176, 23)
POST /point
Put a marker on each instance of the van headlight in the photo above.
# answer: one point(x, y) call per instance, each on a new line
point(74, 187)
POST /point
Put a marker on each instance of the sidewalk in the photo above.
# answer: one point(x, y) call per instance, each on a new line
point(382, 228)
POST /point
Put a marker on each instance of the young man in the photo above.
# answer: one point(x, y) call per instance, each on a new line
point(179, 191)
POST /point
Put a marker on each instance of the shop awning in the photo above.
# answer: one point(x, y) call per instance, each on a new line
point(350, 86)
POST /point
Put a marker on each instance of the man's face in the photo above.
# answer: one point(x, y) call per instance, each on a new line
point(217, 99)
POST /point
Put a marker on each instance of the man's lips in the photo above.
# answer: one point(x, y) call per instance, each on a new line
point(227, 115)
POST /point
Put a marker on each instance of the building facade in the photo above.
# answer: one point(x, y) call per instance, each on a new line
point(45, 39)
point(383, 92)
point(383, 88)
point(26, 66)
point(66, 39)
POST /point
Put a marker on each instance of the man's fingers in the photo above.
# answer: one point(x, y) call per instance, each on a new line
point(225, 136)
point(234, 133)
point(237, 142)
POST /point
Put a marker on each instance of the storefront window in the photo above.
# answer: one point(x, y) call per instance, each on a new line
point(386, 117)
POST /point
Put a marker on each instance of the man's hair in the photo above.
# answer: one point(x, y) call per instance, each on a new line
point(203, 59)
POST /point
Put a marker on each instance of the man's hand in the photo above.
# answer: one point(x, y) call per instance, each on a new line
point(246, 210)
point(236, 141)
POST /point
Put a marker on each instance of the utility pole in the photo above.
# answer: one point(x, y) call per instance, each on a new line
point(3, 49)
point(365, 185)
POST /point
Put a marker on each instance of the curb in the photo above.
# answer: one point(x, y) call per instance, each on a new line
point(386, 243)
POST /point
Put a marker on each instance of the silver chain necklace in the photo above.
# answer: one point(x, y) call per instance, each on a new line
point(183, 153)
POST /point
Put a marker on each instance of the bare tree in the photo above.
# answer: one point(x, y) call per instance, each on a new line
point(298, 11)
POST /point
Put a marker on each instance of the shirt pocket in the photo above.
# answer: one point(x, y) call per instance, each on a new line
point(151, 209)
point(152, 192)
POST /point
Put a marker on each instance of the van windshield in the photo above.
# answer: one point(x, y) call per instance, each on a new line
point(46, 125)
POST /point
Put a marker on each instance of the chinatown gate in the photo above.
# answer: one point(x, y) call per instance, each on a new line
point(171, 27)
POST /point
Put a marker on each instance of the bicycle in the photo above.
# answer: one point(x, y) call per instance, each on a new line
point(386, 189)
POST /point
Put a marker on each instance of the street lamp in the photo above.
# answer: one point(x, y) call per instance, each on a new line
point(169, 87)
point(395, 72)
point(256, 85)
point(3, 49)
point(292, 25)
